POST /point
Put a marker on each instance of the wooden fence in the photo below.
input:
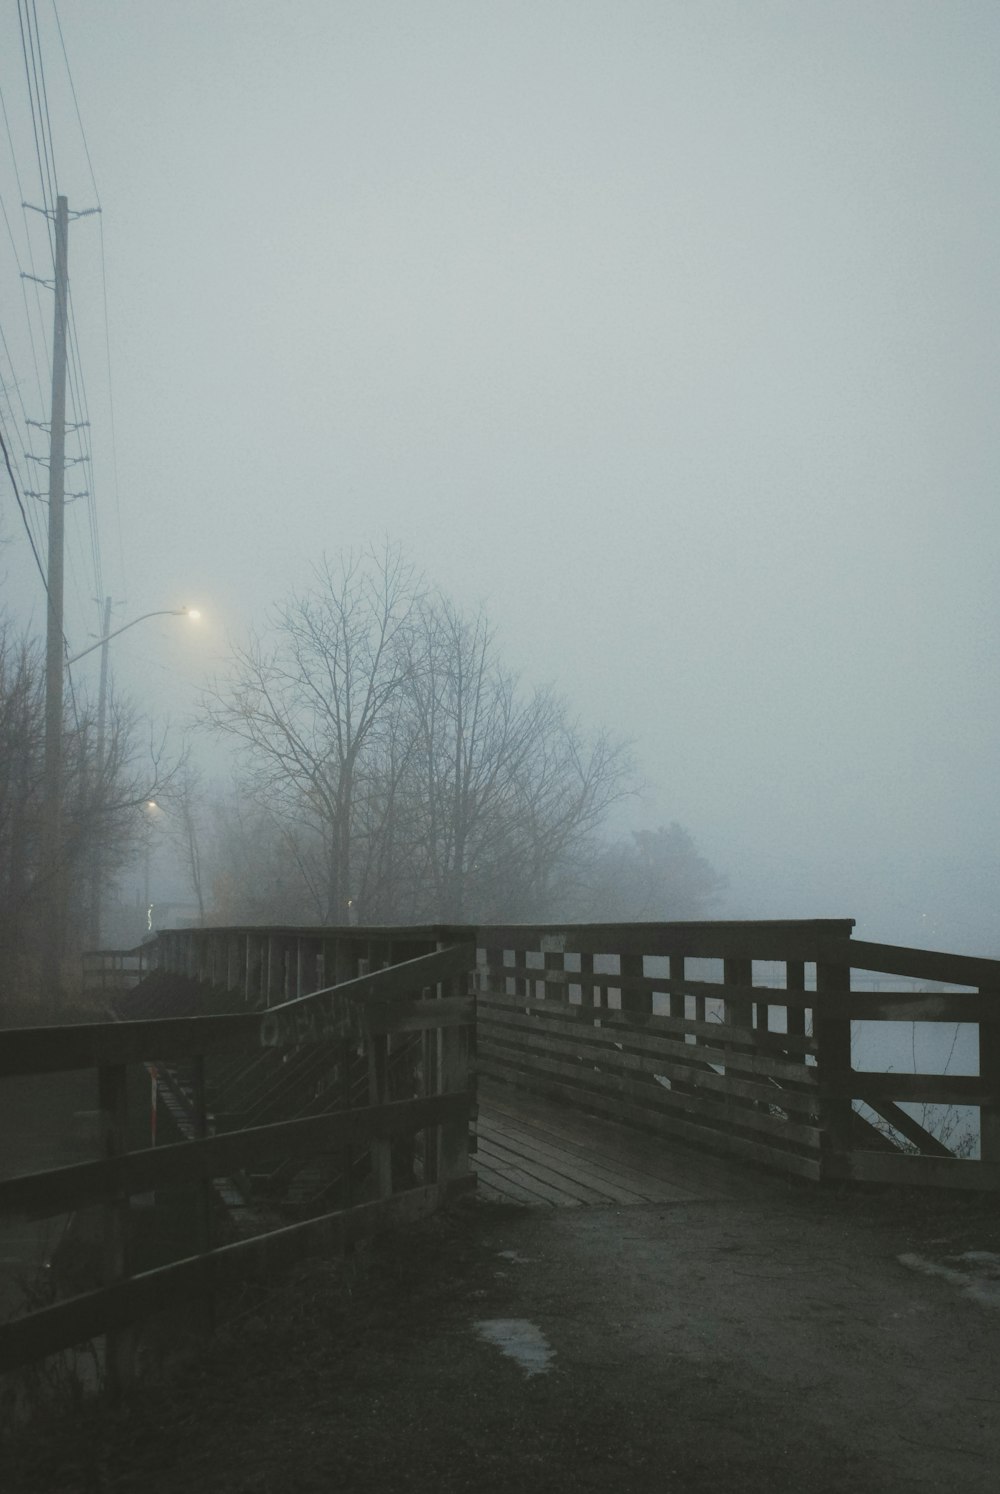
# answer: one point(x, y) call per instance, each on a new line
point(424, 1004)
point(738, 1037)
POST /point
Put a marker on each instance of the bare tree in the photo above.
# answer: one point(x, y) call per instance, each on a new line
point(507, 786)
point(102, 803)
point(401, 772)
point(185, 826)
point(310, 711)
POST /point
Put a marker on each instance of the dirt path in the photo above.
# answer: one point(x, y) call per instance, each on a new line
point(771, 1342)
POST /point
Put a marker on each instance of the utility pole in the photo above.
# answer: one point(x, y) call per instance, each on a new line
point(102, 711)
point(53, 870)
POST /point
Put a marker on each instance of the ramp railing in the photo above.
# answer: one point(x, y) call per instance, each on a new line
point(424, 1005)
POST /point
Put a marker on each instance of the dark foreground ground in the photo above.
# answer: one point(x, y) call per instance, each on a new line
point(769, 1341)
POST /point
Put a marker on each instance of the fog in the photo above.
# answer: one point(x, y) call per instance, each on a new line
point(665, 331)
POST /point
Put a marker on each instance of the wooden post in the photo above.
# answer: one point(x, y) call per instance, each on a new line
point(588, 991)
point(378, 1094)
point(454, 1075)
point(677, 1000)
point(631, 964)
point(204, 1185)
point(738, 1012)
point(345, 1059)
point(738, 1009)
point(431, 1067)
point(275, 959)
point(989, 1070)
point(833, 1063)
point(113, 1106)
point(521, 981)
point(555, 990)
point(795, 980)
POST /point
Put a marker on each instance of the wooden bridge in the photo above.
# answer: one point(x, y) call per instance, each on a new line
point(290, 1090)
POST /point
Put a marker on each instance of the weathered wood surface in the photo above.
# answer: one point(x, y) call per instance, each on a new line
point(761, 939)
point(574, 1013)
point(62, 1189)
point(126, 1301)
point(384, 1012)
point(532, 1152)
point(382, 1002)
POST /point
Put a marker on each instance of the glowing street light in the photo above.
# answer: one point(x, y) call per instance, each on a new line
point(102, 644)
point(191, 612)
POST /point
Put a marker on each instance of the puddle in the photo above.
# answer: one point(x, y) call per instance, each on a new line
point(978, 1273)
point(520, 1340)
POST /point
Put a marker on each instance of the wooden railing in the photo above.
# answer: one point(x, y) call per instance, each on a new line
point(107, 972)
point(738, 1037)
point(422, 1007)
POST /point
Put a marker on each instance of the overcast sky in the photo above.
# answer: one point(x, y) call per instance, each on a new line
point(666, 330)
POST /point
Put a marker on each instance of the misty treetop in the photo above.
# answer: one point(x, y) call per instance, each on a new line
point(392, 768)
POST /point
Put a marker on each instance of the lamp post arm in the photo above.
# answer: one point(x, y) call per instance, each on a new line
point(162, 612)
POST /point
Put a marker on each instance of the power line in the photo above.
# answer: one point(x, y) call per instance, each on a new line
point(31, 77)
point(76, 105)
point(24, 516)
point(80, 562)
point(17, 257)
point(104, 288)
point(44, 100)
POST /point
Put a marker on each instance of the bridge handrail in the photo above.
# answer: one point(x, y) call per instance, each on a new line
point(617, 1018)
point(426, 996)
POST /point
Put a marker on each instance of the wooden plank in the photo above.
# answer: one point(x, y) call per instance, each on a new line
point(529, 1033)
point(911, 1129)
point(378, 1095)
point(116, 1265)
point(491, 1005)
point(638, 1158)
point(930, 1089)
point(325, 1014)
point(94, 1313)
point(515, 1145)
point(910, 1006)
point(833, 1034)
point(919, 964)
point(716, 939)
point(914, 1171)
point(719, 1142)
point(508, 1183)
point(693, 1073)
point(340, 1010)
point(640, 1163)
point(540, 1174)
point(454, 1045)
point(61, 1189)
point(989, 1115)
point(654, 1097)
point(53, 1050)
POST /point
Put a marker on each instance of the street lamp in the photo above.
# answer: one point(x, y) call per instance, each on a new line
point(191, 612)
point(102, 700)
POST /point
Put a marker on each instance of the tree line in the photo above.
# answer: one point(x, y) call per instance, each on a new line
point(393, 769)
point(389, 767)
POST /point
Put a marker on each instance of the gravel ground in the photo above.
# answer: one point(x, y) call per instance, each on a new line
point(793, 1339)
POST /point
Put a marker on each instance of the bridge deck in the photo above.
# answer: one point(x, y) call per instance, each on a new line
point(532, 1151)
